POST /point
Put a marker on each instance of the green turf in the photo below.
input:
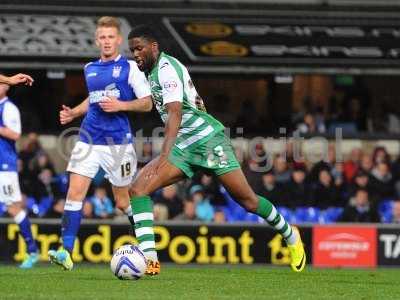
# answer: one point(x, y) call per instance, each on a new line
point(223, 282)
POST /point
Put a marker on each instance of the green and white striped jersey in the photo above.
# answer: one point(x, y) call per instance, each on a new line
point(169, 82)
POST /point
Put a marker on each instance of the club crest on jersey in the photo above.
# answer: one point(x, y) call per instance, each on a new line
point(116, 71)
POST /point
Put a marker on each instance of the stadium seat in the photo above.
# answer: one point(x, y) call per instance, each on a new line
point(385, 206)
point(3, 209)
point(301, 215)
point(386, 216)
point(330, 215)
point(346, 127)
point(313, 214)
point(287, 213)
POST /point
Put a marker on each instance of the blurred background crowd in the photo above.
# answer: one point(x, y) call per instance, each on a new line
point(363, 188)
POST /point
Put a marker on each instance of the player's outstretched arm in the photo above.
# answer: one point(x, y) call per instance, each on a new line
point(17, 79)
point(112, 104)
point(68, 114)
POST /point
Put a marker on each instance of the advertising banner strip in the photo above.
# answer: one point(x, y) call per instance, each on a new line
point(344, 246)
point(289, 41)
point(389, 247)
point(181, 244)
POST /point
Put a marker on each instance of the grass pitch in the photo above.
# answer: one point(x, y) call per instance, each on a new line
point(222, 282)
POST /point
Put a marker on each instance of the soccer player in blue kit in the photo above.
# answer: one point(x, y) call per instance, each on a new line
point(105, 139)
point(10, 194)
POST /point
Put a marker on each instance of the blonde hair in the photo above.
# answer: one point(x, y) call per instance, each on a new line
point(108, 21)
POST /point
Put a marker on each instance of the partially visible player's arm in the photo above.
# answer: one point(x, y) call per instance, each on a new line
point(112, 104)
point(16, 79)
point(140, 86)
point(68, 114)
point(172, 125)
point(12, 122)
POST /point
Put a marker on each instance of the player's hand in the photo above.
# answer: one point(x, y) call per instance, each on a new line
point(66, 115)
point(158, 164)
point(20, 78)
point(111, 104)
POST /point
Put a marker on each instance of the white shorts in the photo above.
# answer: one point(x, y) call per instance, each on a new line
point(9, 188)
point(118, 162)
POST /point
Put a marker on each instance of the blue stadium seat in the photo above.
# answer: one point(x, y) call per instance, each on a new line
point(385, 206)
point(301, 214)
point(307, 215)
point(313, 214)
point(386, 216)
point(346, 127)
point(287, 213)
point(3, 209)
point(330, 215)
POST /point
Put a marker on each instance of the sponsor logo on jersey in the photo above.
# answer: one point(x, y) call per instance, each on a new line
point(97, 96)
point(170, 85)
point(116, 71)
point(92, 74)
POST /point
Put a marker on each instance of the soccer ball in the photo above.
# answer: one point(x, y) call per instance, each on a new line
point(128, 262)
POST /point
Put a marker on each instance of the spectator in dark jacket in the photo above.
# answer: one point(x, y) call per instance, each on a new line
point(382, 184)
point(361, 211)
point(281, 170)
point(170, 199)
point(45, 192)
point(273, 190)
point(326, 164)
point(298, 192)
point(42, 161)
point(360, 181)
point(324, 192)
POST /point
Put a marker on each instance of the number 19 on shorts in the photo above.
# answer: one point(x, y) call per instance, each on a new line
point(126, 169)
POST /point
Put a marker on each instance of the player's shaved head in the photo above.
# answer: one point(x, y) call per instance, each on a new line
point(108, 21)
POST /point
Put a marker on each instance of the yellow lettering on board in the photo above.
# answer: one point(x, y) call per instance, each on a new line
point(104, 240)
point(190, 249)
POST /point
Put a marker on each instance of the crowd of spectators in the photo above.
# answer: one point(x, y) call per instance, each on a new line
point(362, 188)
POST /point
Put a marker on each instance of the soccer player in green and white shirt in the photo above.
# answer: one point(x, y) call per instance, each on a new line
point(193, 140)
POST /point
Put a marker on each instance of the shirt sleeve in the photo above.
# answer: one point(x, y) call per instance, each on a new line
point(137, 80)
point(171, 84)
point(12, 118)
